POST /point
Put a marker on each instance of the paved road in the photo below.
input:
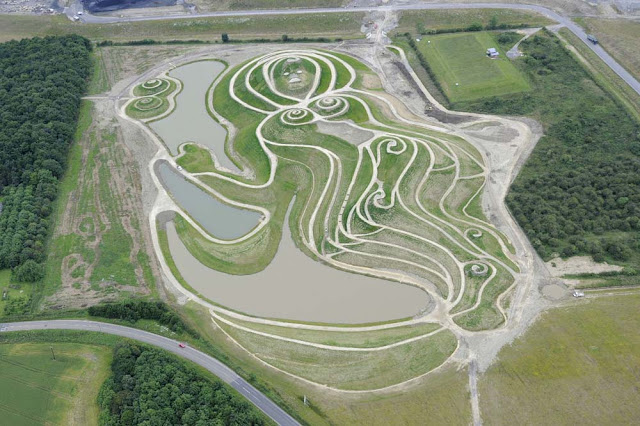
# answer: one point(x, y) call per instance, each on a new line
point(200, 358)
point(572, 26)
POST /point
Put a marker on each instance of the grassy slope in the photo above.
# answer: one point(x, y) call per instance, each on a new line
point(361, 339)
point(447, 19)
point(350, 370)
point(466, 73)
point(35, 389)
point(443, 398)
point(620, 37)
point(345, 25)
point(576, 365)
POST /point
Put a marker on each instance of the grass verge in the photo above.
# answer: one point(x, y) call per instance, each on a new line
point(576, 365)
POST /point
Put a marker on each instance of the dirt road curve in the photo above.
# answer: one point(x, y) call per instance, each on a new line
point(572, 26)
point(211, 364)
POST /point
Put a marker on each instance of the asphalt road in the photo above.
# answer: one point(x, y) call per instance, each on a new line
point(211, 364)
point(567, 22)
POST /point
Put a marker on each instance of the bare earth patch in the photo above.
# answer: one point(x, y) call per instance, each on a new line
point(559, 267)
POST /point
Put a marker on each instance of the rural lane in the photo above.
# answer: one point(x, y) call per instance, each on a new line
point(211, 364)
point(566, 21)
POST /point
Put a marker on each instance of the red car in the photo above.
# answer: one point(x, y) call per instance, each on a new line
point(182, 345)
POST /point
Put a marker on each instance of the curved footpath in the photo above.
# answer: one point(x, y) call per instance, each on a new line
point(223, 372)
point(566, 21)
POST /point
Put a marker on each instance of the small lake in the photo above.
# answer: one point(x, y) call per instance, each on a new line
point(190, 121)
point(296, 287)
point(219, 219)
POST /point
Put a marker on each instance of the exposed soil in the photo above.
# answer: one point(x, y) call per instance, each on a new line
point(579, 265)
point(92, 220)
point(352, 134)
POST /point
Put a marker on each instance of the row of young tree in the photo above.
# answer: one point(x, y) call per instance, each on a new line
point(150, 387)
point(579, 192)
point(41, 83)
point(136, 309)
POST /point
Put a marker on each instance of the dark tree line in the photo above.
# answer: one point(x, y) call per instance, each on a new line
point(150, 387)
point(134, 310)
point(579, 192)
point(41, 83)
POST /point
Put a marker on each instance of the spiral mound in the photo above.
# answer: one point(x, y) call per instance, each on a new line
point(394, 146)
point(147, 103)
point(296, 116)
point(473, 233)
point(479, 269)
point(152, 84)
point(332, 106)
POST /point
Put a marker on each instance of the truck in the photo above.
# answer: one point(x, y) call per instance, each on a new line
point(592, 39)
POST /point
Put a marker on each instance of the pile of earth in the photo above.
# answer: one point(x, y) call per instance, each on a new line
point(95, 6)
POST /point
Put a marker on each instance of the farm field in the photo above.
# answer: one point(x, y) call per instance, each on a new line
point(576, 365)
point(463, 69)
point(37, 390)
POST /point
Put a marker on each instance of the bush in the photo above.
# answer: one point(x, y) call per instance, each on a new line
point(17, 306)
point(29, 272)
point(134, 310)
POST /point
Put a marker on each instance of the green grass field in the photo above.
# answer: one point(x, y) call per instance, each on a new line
point(37, 390)
point(461, 59)
point(415, 20)
point(576, 365)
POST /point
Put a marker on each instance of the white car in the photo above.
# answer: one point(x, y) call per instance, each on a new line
point(80, 13)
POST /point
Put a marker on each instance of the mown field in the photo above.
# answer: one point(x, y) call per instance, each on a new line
point(465, 72)
point(577, 365)
point(35, 389)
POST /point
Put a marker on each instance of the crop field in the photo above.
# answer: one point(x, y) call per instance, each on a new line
point(399, 204)
point(37, 390)
point(465, 72)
